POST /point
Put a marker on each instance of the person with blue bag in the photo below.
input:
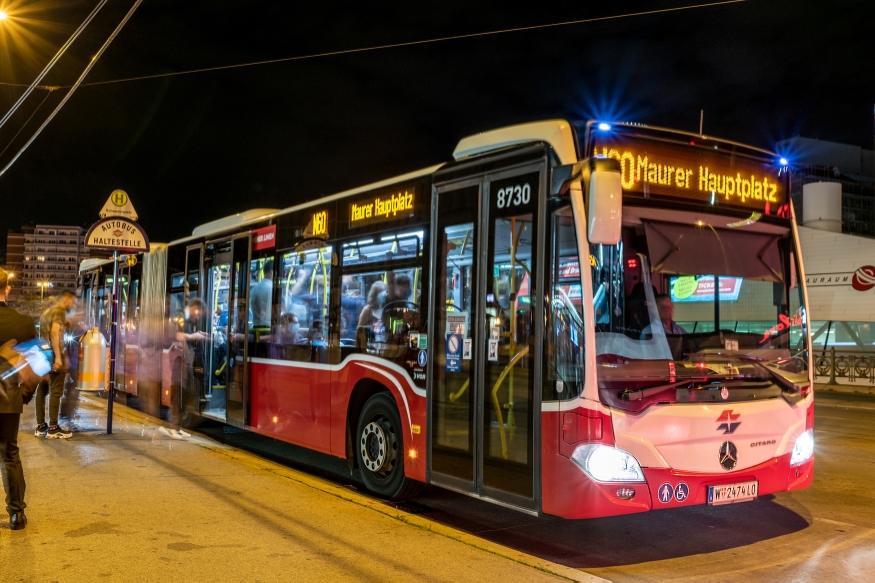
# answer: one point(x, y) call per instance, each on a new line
point(24, 360)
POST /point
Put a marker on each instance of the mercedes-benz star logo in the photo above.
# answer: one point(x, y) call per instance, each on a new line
point(728, 455)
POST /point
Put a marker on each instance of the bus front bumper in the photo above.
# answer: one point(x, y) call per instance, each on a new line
point(573, 494)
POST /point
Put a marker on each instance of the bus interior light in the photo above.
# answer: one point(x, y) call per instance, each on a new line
point(803, 449)
point(605, 127)
point(607, 464)
point(412, 234)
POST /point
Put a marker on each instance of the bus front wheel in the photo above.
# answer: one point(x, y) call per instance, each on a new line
point(379, 449)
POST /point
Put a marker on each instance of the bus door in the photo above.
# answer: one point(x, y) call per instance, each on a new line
point(187, 319)
point(226, 279)
point(484, 430)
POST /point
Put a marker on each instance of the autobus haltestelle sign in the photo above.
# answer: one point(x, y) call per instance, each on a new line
point(117, 234)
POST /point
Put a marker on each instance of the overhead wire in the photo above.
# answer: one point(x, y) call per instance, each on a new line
point(406, 43)
point(79, 81)
point(75, 85)
point(24, 125)
point(52, 63)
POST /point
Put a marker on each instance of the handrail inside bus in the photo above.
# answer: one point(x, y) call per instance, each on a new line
point(455, 396)
point(495, 403)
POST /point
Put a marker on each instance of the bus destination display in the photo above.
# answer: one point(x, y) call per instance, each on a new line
point(712, 176)
point(387, 207)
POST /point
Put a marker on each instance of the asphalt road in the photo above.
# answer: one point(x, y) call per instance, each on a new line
point(824, 533)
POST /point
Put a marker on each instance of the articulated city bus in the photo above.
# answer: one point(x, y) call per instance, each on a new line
point(579, 321)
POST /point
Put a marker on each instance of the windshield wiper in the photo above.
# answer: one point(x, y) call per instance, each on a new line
point(639, 394)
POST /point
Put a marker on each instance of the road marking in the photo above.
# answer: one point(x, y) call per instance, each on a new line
point(786, 561)
point(837, 522)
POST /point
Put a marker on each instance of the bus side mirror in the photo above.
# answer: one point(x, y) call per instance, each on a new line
point(604, 208)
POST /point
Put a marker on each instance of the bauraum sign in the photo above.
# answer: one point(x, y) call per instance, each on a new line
point(863, 279)
point(117, 234)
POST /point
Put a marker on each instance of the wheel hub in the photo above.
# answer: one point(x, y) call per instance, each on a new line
point(376, 447)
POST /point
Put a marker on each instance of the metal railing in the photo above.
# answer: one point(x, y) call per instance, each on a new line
point(849, 365)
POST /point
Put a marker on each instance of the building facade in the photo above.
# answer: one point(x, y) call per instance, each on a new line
point(15, 257)
point(50, 257)
point(851, 166)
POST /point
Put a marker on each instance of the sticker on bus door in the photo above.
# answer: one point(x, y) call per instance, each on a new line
point(454, 353)
point(466, 349)
point(493, 350)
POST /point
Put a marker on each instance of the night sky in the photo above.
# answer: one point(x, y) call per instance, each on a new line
point(192, 148)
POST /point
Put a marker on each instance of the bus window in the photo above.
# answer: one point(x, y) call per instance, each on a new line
point(301, 331)
point(381, 292)
point(564, 376)
point(377, 305)
point(261, 294)
point(388, 248)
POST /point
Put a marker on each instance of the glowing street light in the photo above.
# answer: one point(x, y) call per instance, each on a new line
point(3, 15)
point(42, 288)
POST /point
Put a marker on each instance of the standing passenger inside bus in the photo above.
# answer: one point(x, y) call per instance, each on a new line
point(260, 297)
point(371, 317)
point(351, 306)
point(316, 340)
point(403, 290)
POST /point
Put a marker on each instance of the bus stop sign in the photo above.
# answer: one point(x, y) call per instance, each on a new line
point(117, 234)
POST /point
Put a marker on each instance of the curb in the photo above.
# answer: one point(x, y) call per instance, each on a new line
point(838, 389)
point(856, 405)
point(353, 496)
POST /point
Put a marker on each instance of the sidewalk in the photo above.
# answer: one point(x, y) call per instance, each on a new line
point(137, 505)
point(827, 396)
point(861, 386)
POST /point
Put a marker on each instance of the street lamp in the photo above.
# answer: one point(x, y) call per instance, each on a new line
point(42, 288)
point(3, 15)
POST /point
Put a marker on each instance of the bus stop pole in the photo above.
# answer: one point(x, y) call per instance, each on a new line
point(112, 343)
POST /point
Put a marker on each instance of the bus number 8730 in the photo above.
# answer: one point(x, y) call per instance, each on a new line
point(514, 195)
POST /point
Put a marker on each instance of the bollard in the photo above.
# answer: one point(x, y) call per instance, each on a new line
point(92, 362)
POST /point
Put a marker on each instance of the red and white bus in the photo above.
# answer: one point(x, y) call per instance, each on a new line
point(442, 326)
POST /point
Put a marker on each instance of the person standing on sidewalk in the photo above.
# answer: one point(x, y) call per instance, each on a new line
point(51, 327)
point(14, 328)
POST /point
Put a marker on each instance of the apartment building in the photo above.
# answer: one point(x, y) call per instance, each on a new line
point(50, 257)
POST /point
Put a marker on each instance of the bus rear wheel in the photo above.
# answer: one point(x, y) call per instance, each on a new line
point(379, 448)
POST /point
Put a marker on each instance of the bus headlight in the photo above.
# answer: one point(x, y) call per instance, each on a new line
point(607, 464)
point(804, 448)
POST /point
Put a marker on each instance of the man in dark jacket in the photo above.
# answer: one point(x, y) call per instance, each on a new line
point(14, 392)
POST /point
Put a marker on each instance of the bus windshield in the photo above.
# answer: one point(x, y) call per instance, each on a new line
point(695, 297)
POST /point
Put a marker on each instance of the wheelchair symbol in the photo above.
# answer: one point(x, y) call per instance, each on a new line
point(681, 491)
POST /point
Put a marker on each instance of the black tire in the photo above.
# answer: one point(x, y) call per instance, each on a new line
point(379, 450)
